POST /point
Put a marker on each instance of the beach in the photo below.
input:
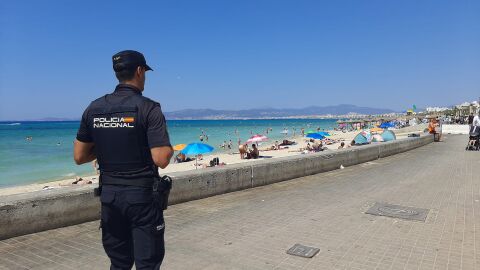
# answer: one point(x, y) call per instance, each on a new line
point(228, 158)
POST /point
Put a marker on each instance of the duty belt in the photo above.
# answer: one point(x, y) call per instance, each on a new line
point(142, 182)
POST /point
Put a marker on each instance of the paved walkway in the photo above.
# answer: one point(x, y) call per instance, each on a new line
point(252, 229)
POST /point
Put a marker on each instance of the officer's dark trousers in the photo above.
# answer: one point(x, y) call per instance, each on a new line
point(132, 227)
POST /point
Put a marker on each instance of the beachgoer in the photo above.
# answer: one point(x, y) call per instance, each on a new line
point(470, 119)
point(432, 125)
point(309, 147)
point(95, 166)
point(303, 132)
point(230, 144)
point(206, 137)
point(223, 145)
point(342, 145)
point(128, 134)
point(254, 153)
point(81, 181)
point(243, 149)
point(476, 120)
point(180, 157)
point(201, 137)
point(276, 146)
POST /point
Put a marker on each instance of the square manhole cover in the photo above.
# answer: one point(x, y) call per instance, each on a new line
point(398, 211)
point(303, 251)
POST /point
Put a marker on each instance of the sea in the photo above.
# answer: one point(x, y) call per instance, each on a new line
point(36, 152)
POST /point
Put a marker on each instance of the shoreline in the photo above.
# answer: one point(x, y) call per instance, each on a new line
point(228, 158)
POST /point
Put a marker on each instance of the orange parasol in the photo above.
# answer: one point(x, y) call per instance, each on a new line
point(376, 129)
point(179, 147)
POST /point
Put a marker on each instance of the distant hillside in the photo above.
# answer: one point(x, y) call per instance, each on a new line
point(341, 109)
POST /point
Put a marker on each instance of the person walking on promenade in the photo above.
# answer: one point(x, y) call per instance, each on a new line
point(127, 133)
point(470, 119)
point(476, 120)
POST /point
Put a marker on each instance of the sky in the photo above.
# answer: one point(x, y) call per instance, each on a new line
point(55, 56)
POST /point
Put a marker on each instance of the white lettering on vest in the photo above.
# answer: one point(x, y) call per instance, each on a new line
point(113, 122)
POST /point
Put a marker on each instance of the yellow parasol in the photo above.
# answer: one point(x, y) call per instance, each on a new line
point(179, 147)
point(376, 129)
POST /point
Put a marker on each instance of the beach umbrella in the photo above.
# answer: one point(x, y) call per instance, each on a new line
point(257, 138)
point(376, 129)
point(315, 136)
point(179, 147)
point(196, 149)
point(324, 133)
point(387, 125)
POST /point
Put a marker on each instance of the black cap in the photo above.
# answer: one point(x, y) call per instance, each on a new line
point(129, 59)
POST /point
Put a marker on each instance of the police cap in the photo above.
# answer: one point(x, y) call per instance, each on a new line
point(129, 59)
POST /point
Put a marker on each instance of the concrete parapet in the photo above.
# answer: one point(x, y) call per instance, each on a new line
point(39, 211)
point(43, 210)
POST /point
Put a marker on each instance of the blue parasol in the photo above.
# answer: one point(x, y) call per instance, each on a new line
point(387, 125)
point(315, 136)
point(323, 133)
point(196, 149)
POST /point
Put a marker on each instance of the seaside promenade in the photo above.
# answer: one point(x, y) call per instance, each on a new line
point(252, 229)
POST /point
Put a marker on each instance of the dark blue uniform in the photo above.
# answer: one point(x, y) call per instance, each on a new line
point(124, 126)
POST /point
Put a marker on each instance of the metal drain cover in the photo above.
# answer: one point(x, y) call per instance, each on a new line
point(303, 251)
point(398, 211)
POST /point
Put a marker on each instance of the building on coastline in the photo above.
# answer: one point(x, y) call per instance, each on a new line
point(436, 109)
point(466, 108)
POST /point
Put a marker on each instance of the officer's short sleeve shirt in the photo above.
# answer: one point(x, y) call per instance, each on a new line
point(156, 126)
point(83, 133)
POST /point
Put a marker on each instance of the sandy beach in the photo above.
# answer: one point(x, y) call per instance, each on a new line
point(228, 158)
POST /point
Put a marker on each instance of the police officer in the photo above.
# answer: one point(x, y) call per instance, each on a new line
point(127, 134)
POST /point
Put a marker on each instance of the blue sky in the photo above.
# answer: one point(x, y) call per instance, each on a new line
point(55, 56)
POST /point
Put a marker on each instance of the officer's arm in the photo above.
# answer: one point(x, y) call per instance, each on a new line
point(161, 155)
point(157, 135)
point(83, 152)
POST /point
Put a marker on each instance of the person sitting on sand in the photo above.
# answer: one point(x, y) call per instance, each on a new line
point(181, 158)
point(309, 147)
point(286, 142)
point(342, 145)
point(276, 146)
point(254, 153)
point(243, 149)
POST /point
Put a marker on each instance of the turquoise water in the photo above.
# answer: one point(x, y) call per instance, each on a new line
point(48, 155)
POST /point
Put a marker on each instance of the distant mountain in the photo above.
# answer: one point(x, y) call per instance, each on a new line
point(312, 111)
point(57, 119)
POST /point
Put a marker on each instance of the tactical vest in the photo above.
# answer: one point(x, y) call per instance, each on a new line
point(121, 144)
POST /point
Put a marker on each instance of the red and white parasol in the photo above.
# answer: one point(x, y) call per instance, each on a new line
point(257, 138)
